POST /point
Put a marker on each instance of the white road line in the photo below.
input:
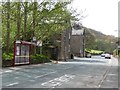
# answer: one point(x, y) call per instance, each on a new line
point(112, 74)
point(8, 71)
point(11, 69)
point(12, 84)
point(104, 76)
point(15, 68)
point(44, 75)
point(58, 81)
point(5, 71)
point(110, 61)
point(1, 72)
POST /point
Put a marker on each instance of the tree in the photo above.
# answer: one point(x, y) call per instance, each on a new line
point(18, 20)
point(34, 16)
point(23, 20)
point(25, 5)
point(89, 39)
point(8, 27)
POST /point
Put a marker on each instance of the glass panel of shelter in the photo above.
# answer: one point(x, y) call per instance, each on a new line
point(22, 54)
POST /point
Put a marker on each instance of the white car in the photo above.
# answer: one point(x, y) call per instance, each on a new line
point(107, 56)
point(103, 55)
point(88, 55)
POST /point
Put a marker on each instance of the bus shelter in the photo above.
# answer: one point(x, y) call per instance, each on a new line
point(22, 52)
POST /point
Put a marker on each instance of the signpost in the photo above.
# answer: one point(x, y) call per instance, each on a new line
point(39, 43)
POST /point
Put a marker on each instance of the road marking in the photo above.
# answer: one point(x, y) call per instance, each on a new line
point(1, 73)
point(112, 74)
point(5, 71)
point(8, 71)
point(12, 84)
point(110, 61)
point(11, 69)
point(58, 81)
point(16, 77)
point(44, 75)
point(15, 68)
point(109, 81)
point(104, 77)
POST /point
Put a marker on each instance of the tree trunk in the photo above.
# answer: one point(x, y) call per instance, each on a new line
point(25, 20)
point(34, 21)
point(8, 28)
point(34, 16)
point(18, 20)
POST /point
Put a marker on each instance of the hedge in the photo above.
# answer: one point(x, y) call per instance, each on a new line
point(39, 58)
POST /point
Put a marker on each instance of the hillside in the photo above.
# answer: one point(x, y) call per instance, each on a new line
point(99, 41)
point(99, 35)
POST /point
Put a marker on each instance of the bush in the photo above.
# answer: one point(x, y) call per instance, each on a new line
point(39, 58)
point(9, 56)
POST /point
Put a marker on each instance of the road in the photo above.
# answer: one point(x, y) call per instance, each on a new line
point(95, 72)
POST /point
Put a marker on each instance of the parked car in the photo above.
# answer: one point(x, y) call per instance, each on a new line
point(88, 55)
point(107, 56)
point(103, 55)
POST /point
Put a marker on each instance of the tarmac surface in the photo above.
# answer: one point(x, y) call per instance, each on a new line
point(95, 72)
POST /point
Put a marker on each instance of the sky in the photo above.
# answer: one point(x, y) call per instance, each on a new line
point(102, 15)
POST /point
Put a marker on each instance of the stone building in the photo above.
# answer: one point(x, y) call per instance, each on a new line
point(65, 44)
point(77, 41)
point(69, 42)
point(77, 45)
point(72, 42)
point(59, 49)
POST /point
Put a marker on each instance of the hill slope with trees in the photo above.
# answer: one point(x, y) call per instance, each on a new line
point(99, 41)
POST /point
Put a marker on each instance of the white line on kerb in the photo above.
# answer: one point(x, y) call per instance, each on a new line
point(12, 84)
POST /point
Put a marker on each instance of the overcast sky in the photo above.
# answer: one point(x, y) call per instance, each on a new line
point(102, 14)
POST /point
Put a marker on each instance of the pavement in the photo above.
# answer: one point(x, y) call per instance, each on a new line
point(95, 72)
